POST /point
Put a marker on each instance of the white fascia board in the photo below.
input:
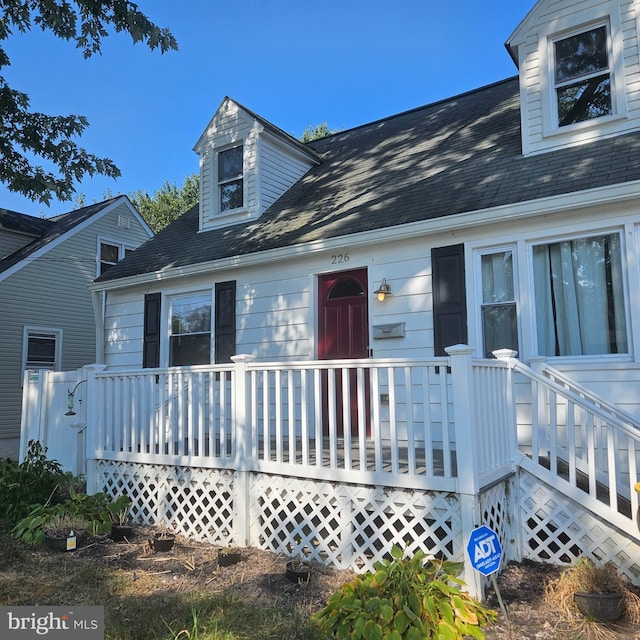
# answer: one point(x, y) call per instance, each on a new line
point(63, 238)
point(619, 193)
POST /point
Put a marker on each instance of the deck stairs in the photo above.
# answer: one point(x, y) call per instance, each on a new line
point(584, 447)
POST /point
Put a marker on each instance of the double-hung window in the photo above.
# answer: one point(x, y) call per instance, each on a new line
point(498, 308)
point(42, 348)
point(230, 178)
point(110, 254)
point(582, 76)
point(190, 327)
point(579, 297)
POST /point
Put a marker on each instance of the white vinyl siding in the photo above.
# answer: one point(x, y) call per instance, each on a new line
point(279, 169)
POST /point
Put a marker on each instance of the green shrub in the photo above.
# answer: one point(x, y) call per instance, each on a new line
point(32, 482)
point(405, 599)
point(92, 509)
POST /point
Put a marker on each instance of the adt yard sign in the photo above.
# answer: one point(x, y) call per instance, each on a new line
point(484, 550)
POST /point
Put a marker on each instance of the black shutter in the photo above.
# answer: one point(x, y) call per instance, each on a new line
point(225, 322)
point(449, 297)
point(151, 349)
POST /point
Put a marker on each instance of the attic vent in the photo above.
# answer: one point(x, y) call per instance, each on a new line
point(124, 222)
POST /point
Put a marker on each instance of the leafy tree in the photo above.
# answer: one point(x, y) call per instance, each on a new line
point(29, 138)
point(167, 203)
point(315, 133)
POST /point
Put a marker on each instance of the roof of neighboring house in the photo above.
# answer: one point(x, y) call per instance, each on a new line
point(458, 155)
point(23, 223)
point(50, 228)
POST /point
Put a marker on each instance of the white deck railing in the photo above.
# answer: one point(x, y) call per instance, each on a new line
point(405, 423)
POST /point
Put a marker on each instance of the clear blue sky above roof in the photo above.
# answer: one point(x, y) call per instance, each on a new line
point(296, 63)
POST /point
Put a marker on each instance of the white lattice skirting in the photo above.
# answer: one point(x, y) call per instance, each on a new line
point(354, 526)
point(341, 525)
point(558, 530)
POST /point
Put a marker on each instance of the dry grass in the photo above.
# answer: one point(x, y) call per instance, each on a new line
point(585, 575)
point(181, 594)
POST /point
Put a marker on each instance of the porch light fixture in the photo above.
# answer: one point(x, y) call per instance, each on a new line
point(383, 290)
point(70, 398)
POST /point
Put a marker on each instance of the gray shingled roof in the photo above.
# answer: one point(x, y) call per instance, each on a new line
point(23, 223)
point(458, 155)
point(50, 229)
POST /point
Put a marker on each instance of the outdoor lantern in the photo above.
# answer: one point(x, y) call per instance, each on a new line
point(383, 290)
point(70, 398)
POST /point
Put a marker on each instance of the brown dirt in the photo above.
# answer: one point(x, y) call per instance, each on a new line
point(261, 575)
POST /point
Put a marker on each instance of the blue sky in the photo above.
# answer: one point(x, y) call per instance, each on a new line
point(294, 62)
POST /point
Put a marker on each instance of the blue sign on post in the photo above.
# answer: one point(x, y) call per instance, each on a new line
point(485, 551)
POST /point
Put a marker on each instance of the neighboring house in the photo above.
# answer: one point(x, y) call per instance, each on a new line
point(46, 310)
point(339, 273)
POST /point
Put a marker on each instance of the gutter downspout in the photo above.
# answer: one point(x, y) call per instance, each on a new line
point(98, 313)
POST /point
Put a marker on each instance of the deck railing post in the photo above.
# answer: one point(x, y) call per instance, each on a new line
point(93, 408)
point(241, 437)
point(466, 452)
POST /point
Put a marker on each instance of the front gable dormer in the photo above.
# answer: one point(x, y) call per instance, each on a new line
point(246, 163)
point(579, 67)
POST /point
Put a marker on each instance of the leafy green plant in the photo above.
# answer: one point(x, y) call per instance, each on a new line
point(91, 509)
point(29, 483)
point(118, 510)
point(405, 599)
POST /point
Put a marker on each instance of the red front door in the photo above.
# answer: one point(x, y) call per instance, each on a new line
point(343, 333)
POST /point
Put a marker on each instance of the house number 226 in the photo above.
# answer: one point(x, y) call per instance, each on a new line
point(339, 258)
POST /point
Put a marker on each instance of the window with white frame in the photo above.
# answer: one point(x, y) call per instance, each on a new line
point(111, 253)
point(42, 348)
point(190, 330)
point(579, 297)
point(230, 178)
point(582, 76)
point(498, 307)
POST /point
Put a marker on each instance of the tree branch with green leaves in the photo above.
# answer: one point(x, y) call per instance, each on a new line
point(39, 155)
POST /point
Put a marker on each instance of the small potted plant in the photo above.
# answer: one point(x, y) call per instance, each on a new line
point(163, 539)
point(228, 556)
point(596, 590)
point(61, 531)
point(298, 569)
point(118, 510)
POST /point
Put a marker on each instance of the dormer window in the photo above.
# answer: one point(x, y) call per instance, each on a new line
point(582, 76)
point(230, 178)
